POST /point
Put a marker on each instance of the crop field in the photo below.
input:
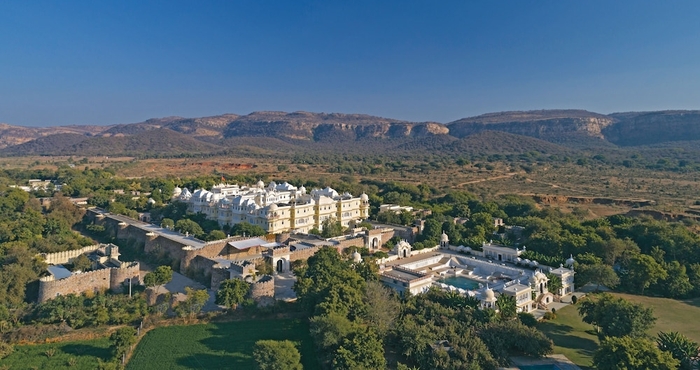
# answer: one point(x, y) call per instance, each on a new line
point(64, 355)
point(218, 345)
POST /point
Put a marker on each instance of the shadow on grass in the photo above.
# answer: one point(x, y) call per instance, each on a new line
point(695, 302)
point(87, 350)
point(554, 328)
point(212, 361)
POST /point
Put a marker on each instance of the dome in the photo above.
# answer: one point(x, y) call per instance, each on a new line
point(570, 261)
point(356, 257)
point(302, 189)
point(444, 237)
point(539, 275)
point(489, 295)
point(534, 263)
point(364, 197)
point(273, 207)
point(260, 184)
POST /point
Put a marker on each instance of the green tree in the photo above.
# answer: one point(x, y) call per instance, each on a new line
point(193, 304)
point(331, 228)
point(616, 317)
point(82, 263)
point(167, 223)
point(597, 274)
point(507, 306)
point(679, 346)
point(232, 292)
point(360, 350)
point(216, 235)
point(247, 229)
point(554, 284)
point(189, 226)
point(631, 353)
point(121, 340)
point(277, 355)
point(383, 307)
point(642, 271)
point(159, 277)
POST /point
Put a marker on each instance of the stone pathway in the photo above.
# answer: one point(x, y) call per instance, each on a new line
point(284, 281)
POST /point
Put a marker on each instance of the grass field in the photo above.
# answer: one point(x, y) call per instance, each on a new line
point(577, 340)
point(218, 345)
point(572, 337)
point(66, 355)
point(671, 314)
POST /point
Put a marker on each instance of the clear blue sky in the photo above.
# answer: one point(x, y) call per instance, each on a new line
point(107, 62)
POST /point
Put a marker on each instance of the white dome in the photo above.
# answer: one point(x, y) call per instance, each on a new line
point(444, 237)
point(364, 197)
point(570, 261)
point(302, 189)
point(534, 263)
point(539, 275)
point(260, 184)
point(272, 207)
point(356, 257)
point(489, 295)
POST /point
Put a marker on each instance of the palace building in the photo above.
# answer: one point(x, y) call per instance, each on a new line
point(277, 208)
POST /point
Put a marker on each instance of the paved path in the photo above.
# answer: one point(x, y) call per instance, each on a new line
point(284, 282)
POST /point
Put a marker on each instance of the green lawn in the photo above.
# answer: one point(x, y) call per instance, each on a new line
point(577, 341)
point(572, 337)
point(66, 355)
point(671, 314)
point(218, 345)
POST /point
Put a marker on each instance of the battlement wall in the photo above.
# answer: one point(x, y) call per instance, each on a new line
point(263, 290)
point(60, 258)
point(98, 280)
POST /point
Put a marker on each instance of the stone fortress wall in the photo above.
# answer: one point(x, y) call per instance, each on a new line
point(60, 258)
point(263, 290)
point(103, 279)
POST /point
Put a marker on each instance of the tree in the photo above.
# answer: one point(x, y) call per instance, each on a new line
point(277, 355)
point(121, 340)
point(679, 346)
point(160, 276)
point(616, 317)
point(642, 271)
point(527, 319)
point(331, 228)
point(216, 235)
point(360, 350)
point(247, 229)
point(382, 307)
point(193, 304)
point(167, 223)
point(554, 284)
point(632, 354)
point(232, 292)
point(189, 226)
point(507, 306)
point(82, 263)
point(597, 274)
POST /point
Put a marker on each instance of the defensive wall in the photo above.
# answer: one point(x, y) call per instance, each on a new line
point(60, 258)
point(103, 279)
point(263, 290)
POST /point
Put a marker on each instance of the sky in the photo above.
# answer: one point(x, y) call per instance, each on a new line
point(109, 62)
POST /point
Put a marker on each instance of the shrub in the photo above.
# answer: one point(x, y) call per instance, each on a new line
point(549, 316)
point(574, 299)
point(5, 349)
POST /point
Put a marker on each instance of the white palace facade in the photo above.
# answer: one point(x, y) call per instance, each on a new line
point(276, 207)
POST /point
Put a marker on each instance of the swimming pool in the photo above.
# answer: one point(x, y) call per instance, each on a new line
point(461, 282)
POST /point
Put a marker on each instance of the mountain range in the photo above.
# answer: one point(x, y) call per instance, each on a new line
point(518, 131)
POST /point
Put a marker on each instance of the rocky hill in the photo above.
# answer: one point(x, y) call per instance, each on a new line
point(648, 128)
point(269, 132)
point(328, 126)
point(558, 126)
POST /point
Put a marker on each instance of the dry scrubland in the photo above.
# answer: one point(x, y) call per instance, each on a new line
point(675, 192)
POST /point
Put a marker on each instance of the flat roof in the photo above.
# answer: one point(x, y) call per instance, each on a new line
point(403, 275)
point(515, 288)
point(248, 243)
point(59, 272)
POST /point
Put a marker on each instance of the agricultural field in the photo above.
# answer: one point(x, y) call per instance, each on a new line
point(577, 340)
point(218, 345)
point(65, 355)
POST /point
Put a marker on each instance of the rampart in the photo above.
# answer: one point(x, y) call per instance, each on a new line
point(98, 280)
point(263, 290)
point(60, 258)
